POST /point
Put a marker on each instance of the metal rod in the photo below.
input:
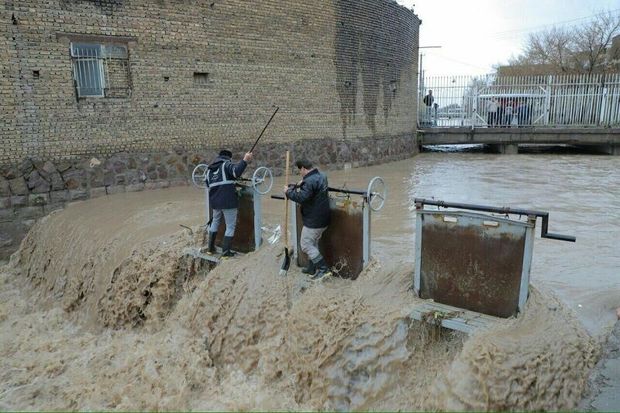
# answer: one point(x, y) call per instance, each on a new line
point(347, 191)
point(265, 128)
point(419, 202)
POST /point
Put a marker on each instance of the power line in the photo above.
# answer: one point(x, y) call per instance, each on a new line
point(510, 33)
point(435, 54)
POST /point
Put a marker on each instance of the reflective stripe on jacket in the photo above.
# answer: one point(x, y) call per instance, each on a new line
point(221, 177)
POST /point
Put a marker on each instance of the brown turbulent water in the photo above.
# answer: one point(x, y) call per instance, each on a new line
point(100, 310)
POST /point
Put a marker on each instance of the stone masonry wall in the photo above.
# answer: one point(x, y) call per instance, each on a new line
point(202, 75)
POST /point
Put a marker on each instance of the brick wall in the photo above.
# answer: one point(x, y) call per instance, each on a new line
point(343, 73)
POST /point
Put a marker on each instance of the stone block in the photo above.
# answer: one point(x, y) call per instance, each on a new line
point(25, 167)
point(179, 182)
point(5, 189)
point(19, 200)
point(10, 173)
point(96, 177)
point(28, 223)
point(56, 181)
point(117, 189)
point(53, 207)
point(5, 241)
point(18, 186)
point(37, 184)
point(29, 212)
point(48, 168)
point(134, 187)
point(7, 215)
point(59, 196)
point(109, 178)
point(74, 179)
point(38, 199)
point(78, 194)
point(63, 166)
point(5, 202)
point(98, 192)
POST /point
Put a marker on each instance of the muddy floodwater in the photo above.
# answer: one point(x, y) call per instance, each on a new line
point(100, 309)
point(581, 192)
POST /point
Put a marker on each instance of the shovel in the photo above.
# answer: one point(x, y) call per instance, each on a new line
point(286, 260)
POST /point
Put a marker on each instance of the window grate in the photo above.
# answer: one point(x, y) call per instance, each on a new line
point(101, 70)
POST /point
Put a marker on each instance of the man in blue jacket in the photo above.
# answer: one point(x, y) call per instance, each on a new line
point(221, 177)
point(312, 194)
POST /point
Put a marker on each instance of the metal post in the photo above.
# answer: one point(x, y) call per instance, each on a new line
point(292, 224)
point(366, 236)
point(207, 209)
point(258, 212)
point(528, 251)
point(601, 118)
point(548, 99)
point(418, 254)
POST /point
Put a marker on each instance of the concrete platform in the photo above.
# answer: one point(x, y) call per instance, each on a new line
point(452, 317)
point(195, 252)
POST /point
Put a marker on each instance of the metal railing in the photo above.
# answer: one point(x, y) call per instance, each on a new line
point(520, 101)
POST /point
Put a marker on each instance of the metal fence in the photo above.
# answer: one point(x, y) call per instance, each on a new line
point(520, 101)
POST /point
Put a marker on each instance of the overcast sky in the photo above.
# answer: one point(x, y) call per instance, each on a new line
point(477, 34)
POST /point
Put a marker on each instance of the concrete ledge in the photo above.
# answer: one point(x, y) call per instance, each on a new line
point(572, 136)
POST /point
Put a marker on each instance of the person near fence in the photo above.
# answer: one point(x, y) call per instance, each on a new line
point(492, 108)
point(312, 194)
point(221, 176)
point(428, 102)
point(524, 116)
point(508, 113)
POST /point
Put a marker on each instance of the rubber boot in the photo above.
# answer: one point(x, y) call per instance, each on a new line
point(310, 269)
point(211, 247)
point(322, 270)
point(226, 243)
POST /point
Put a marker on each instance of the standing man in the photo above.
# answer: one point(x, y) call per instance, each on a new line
point(428, 101)
point(492, 107)
point(312, 194)
point(221, 177)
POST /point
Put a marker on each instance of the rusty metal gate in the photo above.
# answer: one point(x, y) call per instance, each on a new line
point(248, 233)
point(473, 261)
point(346, 244)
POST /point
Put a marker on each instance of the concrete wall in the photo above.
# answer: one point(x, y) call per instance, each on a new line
point(343, 73)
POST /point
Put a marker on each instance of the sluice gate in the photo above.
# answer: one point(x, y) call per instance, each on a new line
point(473, 267)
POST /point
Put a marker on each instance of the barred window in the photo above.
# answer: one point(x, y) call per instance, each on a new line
point(101, 70)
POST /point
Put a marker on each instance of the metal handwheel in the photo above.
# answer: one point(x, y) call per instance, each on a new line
point(262, 180)
point(199, 175)
point(377, 193)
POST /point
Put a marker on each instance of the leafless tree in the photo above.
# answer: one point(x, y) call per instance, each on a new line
point(580, 49)
point(593, 40)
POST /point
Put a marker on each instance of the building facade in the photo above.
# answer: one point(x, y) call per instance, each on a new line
point(102, 96)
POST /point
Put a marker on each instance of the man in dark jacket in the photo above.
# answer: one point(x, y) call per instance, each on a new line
point(221, 177)
point(312, 194)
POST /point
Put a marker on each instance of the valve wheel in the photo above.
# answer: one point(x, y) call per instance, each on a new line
point(262, 180)
point(199, 175)
point(377, 193)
